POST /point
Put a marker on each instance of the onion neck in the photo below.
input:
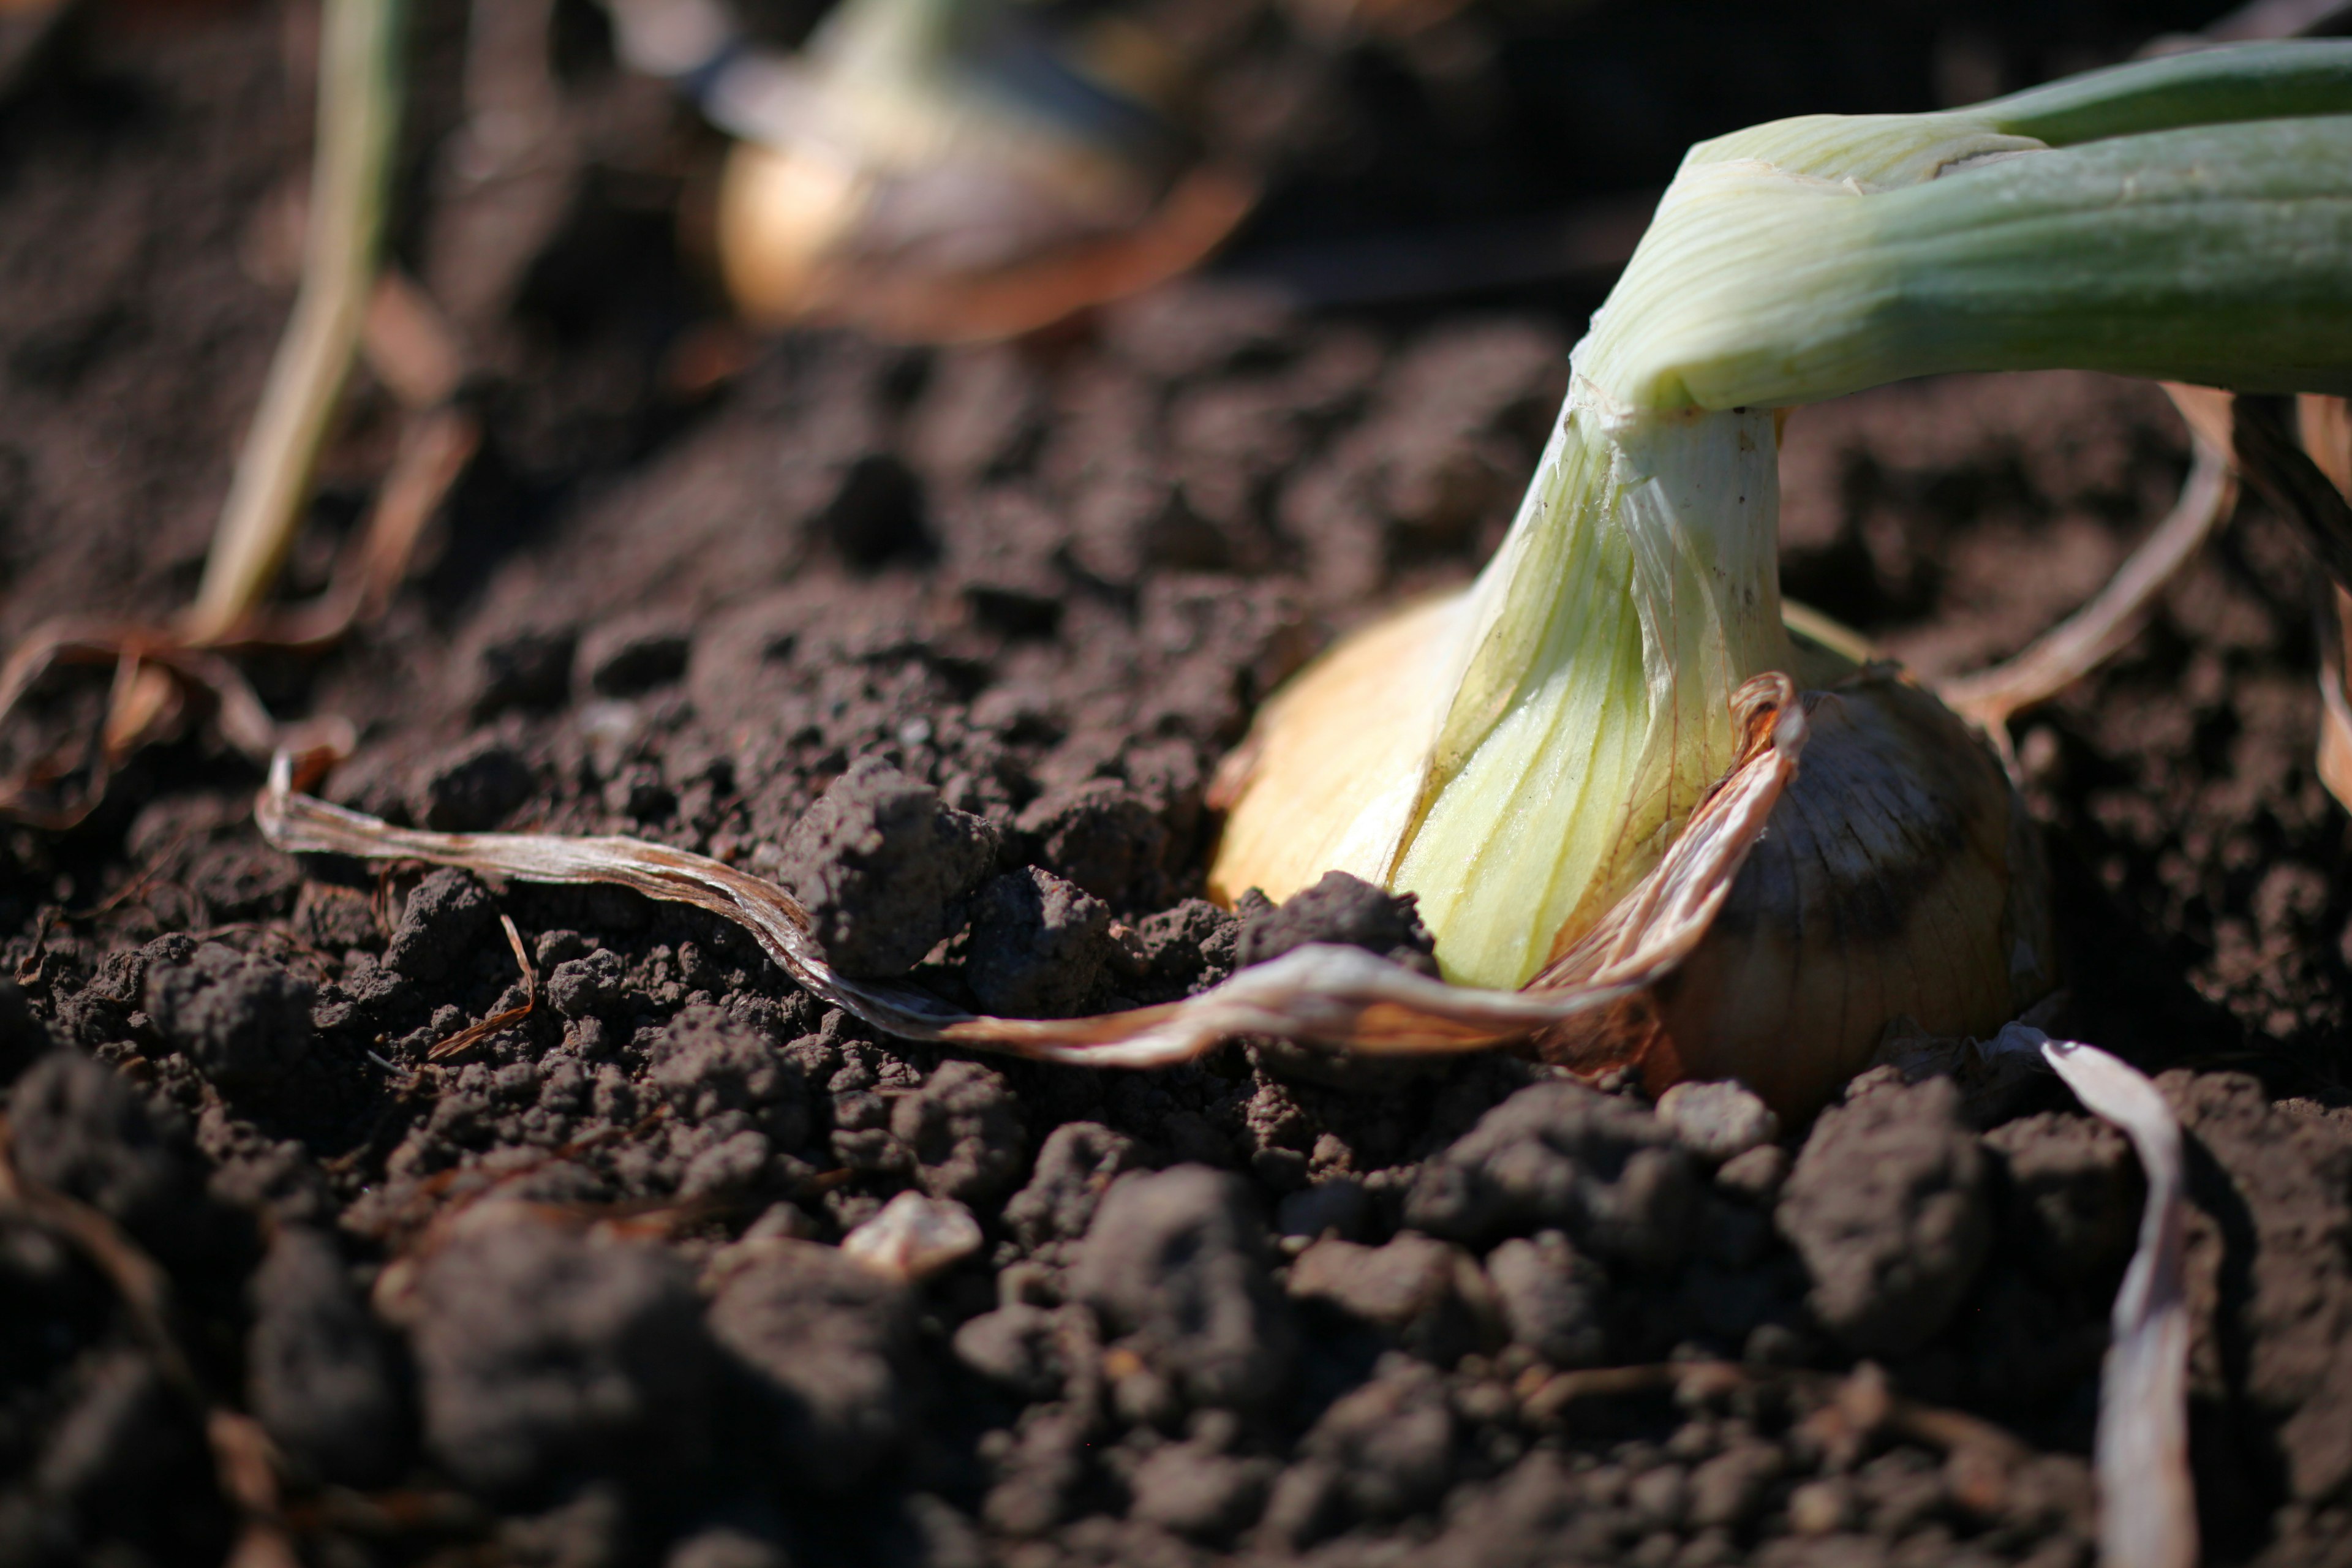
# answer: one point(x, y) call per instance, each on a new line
point(1637, 589)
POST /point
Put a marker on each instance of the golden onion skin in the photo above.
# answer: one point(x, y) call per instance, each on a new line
point(1326, 780)
point(1898, 882)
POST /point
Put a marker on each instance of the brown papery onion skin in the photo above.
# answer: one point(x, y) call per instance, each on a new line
point(1899, 883)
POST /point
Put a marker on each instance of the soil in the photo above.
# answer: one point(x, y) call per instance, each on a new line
point(572, 1296)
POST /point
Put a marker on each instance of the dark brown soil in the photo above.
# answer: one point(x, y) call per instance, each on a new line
point(569, 1298)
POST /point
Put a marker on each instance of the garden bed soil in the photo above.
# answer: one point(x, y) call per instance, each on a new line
point(573, 1295)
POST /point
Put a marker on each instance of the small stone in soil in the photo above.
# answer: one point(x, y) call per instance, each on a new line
point(883, 868)
point(915, 1238)
point(1344, 910)
point(1041, 947)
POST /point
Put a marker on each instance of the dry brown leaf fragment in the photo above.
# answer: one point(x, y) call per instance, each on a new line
point(465, 1039)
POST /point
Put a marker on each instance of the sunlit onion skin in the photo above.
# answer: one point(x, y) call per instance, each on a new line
point(1899, 881)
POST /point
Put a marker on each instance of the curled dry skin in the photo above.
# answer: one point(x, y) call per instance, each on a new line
point(1335, 996)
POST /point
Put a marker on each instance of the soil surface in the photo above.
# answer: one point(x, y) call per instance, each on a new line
point(949, 642)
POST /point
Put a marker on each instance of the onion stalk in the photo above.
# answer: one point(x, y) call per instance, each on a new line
point(359, 115)
point(1520, 755)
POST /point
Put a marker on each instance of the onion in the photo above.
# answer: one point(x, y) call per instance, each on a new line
point(1522, 755)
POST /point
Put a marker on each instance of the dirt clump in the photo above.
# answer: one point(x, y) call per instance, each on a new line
point(243, 1021)
point(545, 1358)
point(1176, 1265)
point(830, 1346)
point(1040, 946)
point(326, 1384)
point(1559, 1155)
point(1339, 908)
point(883, 868)
point(1890, 1206)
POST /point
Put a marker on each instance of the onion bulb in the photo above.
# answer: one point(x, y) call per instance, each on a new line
point(940, 170)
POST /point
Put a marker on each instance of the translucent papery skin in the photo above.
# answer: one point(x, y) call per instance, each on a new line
point(1635, 592)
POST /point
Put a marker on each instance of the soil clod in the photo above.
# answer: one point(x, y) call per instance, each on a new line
point(883, 868)
point(245, 1022)
point(546, 1357)
point(1890, 1206)
point(1344, 910)
point(1041, 947)
point(1176, 1263)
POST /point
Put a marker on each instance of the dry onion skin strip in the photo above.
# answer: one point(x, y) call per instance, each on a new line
point(2147, 1505)
point(2148, 1502)
point(1334, 996)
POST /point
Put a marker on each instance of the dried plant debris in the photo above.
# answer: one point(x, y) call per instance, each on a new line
point(2148, 1506)
point(1325, 994)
